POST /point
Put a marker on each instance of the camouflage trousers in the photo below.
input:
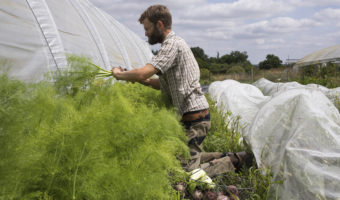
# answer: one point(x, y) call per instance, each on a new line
point(213, 163)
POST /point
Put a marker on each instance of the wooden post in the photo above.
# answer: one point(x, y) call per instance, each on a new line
point(252, 74)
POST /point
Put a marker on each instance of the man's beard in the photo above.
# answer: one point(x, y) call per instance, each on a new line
point(156, 36)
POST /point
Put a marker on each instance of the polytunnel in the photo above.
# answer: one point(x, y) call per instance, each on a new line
point(37, 35)
point(329, 54)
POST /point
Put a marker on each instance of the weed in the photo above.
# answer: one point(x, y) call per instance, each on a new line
point(223, 137)
point(251, 183)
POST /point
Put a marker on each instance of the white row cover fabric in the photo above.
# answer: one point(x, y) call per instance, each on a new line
point(270, 88)
point(295, 132)
point(37, 35)
point(241, 100)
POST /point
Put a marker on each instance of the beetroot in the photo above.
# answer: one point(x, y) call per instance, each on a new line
point(231, 189)
point(210, 196)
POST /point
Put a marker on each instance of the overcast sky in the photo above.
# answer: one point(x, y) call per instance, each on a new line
point(286, 28)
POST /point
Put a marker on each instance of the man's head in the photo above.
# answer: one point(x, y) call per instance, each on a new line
point(156, 20)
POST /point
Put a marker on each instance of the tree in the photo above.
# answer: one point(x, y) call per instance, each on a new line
point(234, 57)
point(202, 63)
point(199, 53)
point(271, 61)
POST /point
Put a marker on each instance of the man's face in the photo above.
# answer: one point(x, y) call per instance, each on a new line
point(152, 32)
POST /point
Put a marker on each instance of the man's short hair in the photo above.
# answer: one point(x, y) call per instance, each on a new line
point(155, 13)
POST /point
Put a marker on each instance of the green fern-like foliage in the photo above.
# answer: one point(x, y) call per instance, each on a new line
point(99, 141)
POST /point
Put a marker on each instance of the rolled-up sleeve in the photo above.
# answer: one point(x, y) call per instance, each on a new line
point(166, 56)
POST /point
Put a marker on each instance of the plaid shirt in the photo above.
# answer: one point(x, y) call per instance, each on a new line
point(179, 75)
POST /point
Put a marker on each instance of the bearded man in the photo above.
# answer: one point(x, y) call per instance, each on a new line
point(179, 76)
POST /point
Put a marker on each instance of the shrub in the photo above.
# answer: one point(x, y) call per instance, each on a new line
point(205, 76)
point(236, 69)
point(218, 68)
point(325, 75)
point(202, 63)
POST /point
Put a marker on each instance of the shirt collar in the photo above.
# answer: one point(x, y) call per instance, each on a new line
point(171, 34)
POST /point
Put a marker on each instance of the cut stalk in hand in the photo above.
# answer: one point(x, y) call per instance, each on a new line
point(102, 73)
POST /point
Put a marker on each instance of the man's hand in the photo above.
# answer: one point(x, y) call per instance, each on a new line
point(136, 74)
point(116, 71)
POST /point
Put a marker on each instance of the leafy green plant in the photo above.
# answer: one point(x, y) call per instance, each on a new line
point(96, 142)
point(78, 76)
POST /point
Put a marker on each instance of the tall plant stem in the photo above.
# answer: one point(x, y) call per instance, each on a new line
point(76, 172)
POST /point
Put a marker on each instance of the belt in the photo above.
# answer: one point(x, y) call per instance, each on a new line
point(191, 116)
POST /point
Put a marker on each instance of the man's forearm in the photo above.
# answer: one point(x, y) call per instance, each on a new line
point(153, 82)
point(135, 75)
point(132, 76)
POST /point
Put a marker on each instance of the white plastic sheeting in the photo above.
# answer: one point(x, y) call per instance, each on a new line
point(37, 35)
point(295, 132)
